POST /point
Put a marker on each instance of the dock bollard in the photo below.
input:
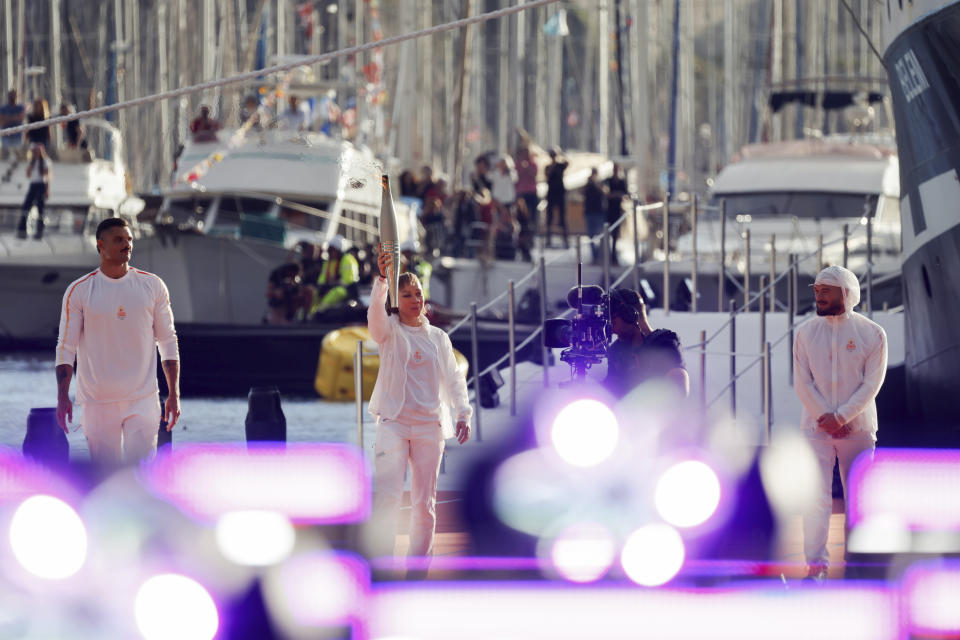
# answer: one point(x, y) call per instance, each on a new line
point(164, 437)
point(45, 441)
point(265, 419)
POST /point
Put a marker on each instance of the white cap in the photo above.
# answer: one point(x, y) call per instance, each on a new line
point(409, 245)
point(337, 242)
point(838, 276)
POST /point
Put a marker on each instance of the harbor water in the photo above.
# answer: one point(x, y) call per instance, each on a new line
point(27, 381)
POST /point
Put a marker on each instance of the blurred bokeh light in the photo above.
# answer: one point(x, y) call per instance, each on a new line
point(687, 493)
point(174, 607)
point(48, 538)
point(653, 555)
point(255, 538)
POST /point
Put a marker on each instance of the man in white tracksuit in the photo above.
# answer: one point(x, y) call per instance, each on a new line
point(840, 359)
point(112, 322)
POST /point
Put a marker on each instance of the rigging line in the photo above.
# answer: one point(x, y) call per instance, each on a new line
point(866, 36)
point(304, 62)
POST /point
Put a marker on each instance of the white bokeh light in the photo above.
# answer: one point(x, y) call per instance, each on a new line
point(687, 494)
point(255, 538)
point(653, 555)
point(583, 552)
point(790, 474)
point(585, 433)
point(174, 607)
point(48, 538)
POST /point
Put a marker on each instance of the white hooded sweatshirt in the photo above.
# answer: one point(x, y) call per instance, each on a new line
point(389, 391)
point(839, 363)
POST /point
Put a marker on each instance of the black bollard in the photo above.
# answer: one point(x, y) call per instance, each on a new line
point(45, 441)
point(265, 419)
point(164, 437)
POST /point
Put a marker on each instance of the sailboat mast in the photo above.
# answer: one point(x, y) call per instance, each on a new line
point(603, 78)
point(21, 49)
point(56, 94)
point(8, 42)
point(672, 142)
point(163, 85)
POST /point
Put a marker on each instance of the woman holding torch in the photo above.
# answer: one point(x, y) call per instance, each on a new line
point(418, 385)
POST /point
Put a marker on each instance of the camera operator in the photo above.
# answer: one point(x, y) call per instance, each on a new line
point(641, 353)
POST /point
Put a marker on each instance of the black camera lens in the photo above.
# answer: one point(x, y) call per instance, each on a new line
point(557, 333)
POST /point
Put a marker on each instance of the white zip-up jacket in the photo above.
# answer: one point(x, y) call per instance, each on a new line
point(839, 365)
point(387, 398)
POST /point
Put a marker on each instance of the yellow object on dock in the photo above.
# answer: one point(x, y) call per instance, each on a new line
point(334, 379)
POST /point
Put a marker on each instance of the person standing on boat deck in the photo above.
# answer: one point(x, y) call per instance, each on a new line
point(418, 385)
point(840, 360)
point(296, 116)
point(39, 176)
point(204, 128)
point(112, 322)
point(339, 276)
point(616, 189)
point(593, 204)
point(39, 111)
point(527, 181)
point(556, 194)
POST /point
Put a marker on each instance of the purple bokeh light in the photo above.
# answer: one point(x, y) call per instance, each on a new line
point(309, 483)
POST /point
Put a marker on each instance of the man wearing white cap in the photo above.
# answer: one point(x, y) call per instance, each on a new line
point(840, 359)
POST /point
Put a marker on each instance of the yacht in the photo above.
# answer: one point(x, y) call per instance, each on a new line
point(795, 193)
point(920, 39)
point(34, 273)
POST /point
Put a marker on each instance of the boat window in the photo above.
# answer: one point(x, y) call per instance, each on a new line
point(233, 209)
point(185, 212)
point(303, 219)
point(801, 205)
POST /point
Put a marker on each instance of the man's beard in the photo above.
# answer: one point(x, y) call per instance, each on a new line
point(832, 310)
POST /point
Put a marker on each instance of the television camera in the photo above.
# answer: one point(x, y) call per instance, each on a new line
point(586, 336)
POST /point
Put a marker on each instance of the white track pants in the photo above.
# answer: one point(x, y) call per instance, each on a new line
point(816, 522)
point(396, 444)
point(123, 431)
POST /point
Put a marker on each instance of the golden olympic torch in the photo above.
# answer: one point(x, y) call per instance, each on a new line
point(390, 241)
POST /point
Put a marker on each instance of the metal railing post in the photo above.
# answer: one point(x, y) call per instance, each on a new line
point(761, 299)
point(870, 267)
point(474, 352)
point(703, 371)
point(766, 390)
point(773, 272)
point(796, 285)
point(722, 267)
point(512, 328)
point(693, 267)
point(666, 255)
point(819, 252)
point(733, 359)
point(577, 240)
point(636, 249)
point(846, 248)
point(791, 311)
point(746, 271)
point(543, 320)
point(606, 256)
point(358, 389)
